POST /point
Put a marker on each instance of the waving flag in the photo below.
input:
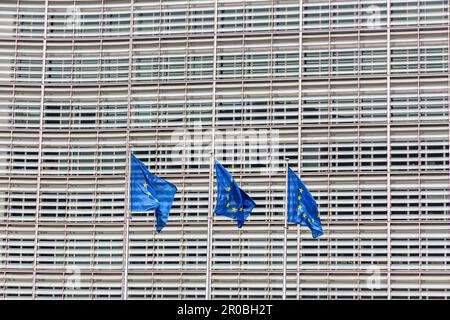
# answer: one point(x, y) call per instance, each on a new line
point(149, 192)
point(302, 208)
point(232, 201)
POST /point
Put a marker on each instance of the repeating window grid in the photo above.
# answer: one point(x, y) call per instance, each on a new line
point(68, 18)
point(332, 287)
point(79, 109)
point(264, 57)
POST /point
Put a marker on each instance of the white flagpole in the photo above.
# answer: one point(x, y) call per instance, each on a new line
point(210, 217)
point(285, 232)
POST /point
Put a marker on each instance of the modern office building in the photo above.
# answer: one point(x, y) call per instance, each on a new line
point(355, 93)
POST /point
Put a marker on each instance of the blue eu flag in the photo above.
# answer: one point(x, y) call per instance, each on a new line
point(232, 201)
point(302, 208)
point(149, 192)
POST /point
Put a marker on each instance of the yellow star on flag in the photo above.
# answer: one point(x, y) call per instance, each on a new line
point(228, 204)
point(299, 197)
point(145, 184)
point(233, 209)
point(301, 190)
point(300, 207)
point(304, 215)
point(228, 189)
point(148, 193)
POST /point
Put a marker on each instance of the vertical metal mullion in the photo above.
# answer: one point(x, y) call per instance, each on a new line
point(127, 216)
point(185, 125)
point(70, 159)
point(389, 150)
point(269, 207)
point(210, 218)
point(65, 251)
point(286, 226)
point(271, 116)
point(9, 200)
point(99, 76)
point(159, 70)
point(97, 145)
point(419, 191)
point(358, 155)
point(40, 162)
point(299, 143)
point(330, 67)
point(92, 256)
point(98, 118)
point(188, 71)
point(67, 188)
point(419, 154)
point(241, 154)
point(448, 108)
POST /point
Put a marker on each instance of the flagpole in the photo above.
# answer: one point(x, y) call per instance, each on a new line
point(127, 225)
point(209, 236)
point(285, 232)
point(211, 160)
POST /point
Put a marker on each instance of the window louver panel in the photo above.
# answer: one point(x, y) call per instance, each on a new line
point(358, 102)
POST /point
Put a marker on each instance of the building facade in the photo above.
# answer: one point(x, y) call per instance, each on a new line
point(355, 93)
